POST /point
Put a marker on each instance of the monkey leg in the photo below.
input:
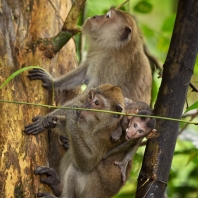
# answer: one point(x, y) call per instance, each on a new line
point(51, 180)
point(45, 195)
point(39, 74)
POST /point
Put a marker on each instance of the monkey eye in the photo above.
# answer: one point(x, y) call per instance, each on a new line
point(97, 102)
point(135, 125)
point(119, 108)
point(108, 15)
point(140, 131)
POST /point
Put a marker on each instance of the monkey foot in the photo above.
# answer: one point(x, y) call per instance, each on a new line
point(51, 180)
point(123, 166)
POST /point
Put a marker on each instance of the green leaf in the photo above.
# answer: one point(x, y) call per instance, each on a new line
point(17, 73)
point(169, 23)
point(193, 106)
point(148, 32)
point(143, 7)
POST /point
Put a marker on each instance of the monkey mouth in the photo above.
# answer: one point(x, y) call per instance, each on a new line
point(127, 137)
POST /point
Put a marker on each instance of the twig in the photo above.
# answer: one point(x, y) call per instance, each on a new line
point(97, 110)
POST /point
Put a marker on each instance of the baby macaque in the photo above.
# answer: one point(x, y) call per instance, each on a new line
point(138, 128)
point(82, 170)
point(115, 56)
point(131, 107)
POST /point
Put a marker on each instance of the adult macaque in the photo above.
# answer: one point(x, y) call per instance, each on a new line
point(115, 56)
point(138, 128)
point(83, 172)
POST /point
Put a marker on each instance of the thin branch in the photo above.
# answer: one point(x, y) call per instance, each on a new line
point(194, 89)
point(72, 18)
point(56, 10)
point(98, 110)
point(50, 46)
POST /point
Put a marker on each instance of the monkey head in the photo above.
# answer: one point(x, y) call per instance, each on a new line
point(114, 29)
point(140, 127)
point(105, 97)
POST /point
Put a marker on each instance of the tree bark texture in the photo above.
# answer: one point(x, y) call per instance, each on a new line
point(22, 22)
point(178, 69)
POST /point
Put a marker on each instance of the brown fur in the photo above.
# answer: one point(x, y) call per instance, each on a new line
point(89, 136)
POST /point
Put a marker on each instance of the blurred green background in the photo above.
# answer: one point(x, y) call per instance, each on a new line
point(156, 20)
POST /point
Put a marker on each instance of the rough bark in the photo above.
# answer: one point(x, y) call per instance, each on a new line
point(178, 69)
point(21, 23)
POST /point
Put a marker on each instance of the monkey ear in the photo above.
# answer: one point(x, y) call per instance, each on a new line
point(119, 108)
point(151, 134)
point(125, 34)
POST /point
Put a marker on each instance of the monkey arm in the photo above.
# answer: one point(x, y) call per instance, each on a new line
point(124, 163)
point(69, 81)
point(123, 147)
point(86, 149)
point(72, 79)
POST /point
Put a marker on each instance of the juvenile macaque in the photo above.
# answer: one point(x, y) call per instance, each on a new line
point(115, 56)
point(138, 128)
point(83, 172)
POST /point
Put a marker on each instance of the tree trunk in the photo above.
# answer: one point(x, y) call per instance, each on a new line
point(21, 23)
point(177, 73)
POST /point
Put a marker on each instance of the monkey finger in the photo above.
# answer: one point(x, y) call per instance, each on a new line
point(33, 74)
point(28, 128)
point(36, 71)
point(41, 170)
point(33, 130)
point(38, 170)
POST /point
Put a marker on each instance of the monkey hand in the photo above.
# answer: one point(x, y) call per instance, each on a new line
point(40, 123)
point(122, 165)
point(63, 140)
point(51, 180)
point(45, 195)
point(39, 74)
point(36, 127)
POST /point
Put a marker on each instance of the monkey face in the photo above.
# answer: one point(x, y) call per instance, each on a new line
point(137, 128)
point(105, 97)
point(114, 29)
